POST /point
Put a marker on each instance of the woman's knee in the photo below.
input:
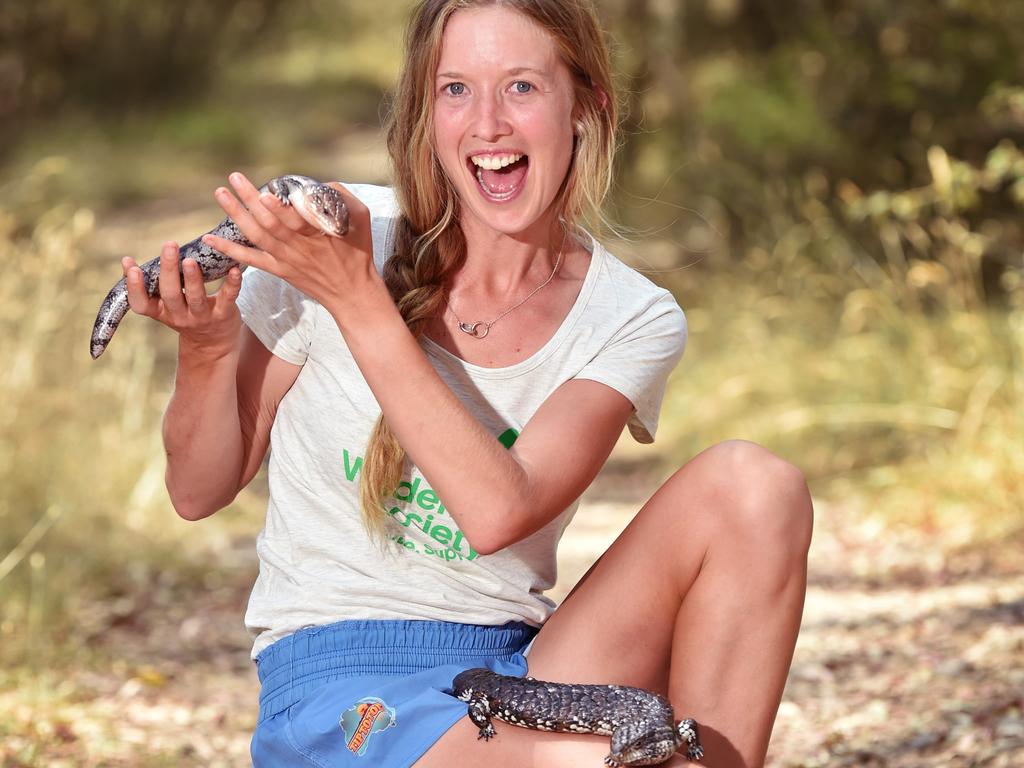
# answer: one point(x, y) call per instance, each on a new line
point(756, 493)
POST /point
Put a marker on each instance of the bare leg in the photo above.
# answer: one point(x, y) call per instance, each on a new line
point(700, 598)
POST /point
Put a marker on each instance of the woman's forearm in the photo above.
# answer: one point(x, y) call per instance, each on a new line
point(202, 434)
point(462, 461)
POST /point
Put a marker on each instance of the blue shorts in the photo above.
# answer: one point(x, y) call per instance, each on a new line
point(371, 693)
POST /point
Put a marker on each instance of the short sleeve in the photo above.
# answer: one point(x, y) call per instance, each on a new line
point(638, 359)
point(282, 317)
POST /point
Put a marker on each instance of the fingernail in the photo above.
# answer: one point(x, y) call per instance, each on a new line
point(266, 197)
point(236, 177)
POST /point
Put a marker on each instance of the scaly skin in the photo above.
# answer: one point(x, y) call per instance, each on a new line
point(640, 723)
point(317, 203)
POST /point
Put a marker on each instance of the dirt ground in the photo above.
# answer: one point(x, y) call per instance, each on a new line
point(907, 657)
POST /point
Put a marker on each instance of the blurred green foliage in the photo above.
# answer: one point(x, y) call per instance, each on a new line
point(117, 55)
point(750, 107)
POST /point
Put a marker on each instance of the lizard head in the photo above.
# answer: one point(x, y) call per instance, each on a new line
point(643, 745)
point(319, 204)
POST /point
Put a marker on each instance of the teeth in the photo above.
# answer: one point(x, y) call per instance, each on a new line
point(494, 162)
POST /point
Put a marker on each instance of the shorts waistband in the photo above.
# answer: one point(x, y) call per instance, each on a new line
point(296, 665)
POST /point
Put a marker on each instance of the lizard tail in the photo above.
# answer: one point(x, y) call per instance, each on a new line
point(112, 311)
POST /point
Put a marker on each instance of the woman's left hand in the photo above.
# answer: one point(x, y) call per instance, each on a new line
point(325, 268)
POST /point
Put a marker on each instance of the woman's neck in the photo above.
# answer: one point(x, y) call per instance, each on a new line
point(499, 264)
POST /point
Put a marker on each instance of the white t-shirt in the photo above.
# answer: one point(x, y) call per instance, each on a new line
point(317, 565)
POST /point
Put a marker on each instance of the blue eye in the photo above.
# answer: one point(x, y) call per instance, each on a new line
point(522, 86)
point(455, 89)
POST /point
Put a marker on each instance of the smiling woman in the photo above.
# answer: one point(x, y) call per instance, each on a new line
point(437, 389)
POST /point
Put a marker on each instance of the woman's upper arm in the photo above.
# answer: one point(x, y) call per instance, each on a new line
point(262, 380)
point(562, 448)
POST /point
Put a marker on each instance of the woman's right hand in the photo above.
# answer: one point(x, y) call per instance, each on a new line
point(208, 324)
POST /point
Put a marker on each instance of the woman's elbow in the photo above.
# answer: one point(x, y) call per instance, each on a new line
point(486, 545)
point(190, 507)
point(191, 511)
point(486, 538)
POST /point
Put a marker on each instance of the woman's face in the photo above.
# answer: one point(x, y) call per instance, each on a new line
point(503, 104)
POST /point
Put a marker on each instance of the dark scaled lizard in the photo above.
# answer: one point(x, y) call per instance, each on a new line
point(641, 723)
point(317, 203)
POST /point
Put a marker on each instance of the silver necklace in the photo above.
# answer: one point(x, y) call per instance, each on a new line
point(473, 329)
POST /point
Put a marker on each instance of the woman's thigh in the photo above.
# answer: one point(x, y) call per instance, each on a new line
point(621, 623)
point(618, 623)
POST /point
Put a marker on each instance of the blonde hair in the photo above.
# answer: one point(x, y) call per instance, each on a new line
point(429, 243)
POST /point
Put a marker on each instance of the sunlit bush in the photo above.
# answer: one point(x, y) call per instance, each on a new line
point(83, 511)
point(896, 385)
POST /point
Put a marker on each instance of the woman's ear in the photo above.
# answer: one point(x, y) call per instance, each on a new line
point(601, 94)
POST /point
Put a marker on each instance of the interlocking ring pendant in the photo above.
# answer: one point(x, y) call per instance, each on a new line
point(472, 329)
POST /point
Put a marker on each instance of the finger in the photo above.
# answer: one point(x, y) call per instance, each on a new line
point(254, 202)
point(127, 264)
point(229, 290)
point(138, 298)
point(243, 254)
point(287, 215)
point(246, 222)
point(170, 280)
point(195, 291)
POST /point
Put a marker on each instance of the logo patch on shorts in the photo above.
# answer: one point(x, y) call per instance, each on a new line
point(367, 717)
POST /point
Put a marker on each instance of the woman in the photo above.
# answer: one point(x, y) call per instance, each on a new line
point(505, 350)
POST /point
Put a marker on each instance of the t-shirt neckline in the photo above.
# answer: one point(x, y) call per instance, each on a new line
point(436, 350)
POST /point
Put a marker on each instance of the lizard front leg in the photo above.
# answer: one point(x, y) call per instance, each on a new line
point(480, 714)
point(688, 732)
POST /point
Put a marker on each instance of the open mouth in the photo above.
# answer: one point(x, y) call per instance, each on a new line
point(500, 177)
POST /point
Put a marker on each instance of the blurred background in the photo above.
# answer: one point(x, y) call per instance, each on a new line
point(833, 190)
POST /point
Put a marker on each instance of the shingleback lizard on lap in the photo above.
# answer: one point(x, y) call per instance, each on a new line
point(317, 203)
point(640, 723)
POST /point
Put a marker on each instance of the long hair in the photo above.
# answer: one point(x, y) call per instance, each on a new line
point(429, 243)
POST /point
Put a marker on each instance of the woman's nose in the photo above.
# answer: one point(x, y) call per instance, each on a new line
point(490, 120)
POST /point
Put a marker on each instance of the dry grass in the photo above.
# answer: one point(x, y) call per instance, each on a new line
point(914, 418)
point(83, 512)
